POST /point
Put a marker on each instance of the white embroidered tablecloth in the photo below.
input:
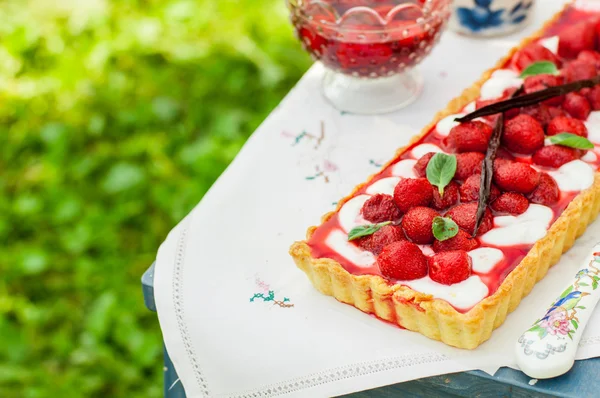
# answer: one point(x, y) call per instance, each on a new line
point(240, 320)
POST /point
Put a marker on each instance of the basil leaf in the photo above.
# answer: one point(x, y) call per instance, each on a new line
point(440, 170)
point(444, 228)
point(540, 68)
point(366, 230)
point(571, 140)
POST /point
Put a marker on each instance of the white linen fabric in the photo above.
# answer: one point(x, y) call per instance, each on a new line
point(240, 320)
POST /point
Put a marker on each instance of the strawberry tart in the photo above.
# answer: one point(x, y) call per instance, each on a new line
point(424, 245)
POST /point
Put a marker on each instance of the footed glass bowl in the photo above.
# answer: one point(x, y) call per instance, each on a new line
point(369, 48)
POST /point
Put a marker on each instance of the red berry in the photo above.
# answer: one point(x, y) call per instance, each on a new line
point(543, 113)
point(464, 215)
point(470, 137)
point(402, 260)
point(577, 106)
point(462, 241)
point(532, 53)
point(523, 134)
point(564, 124)
point(517, 177)
point(421, 166)
point(499, 162)
point(547, 193)
point(383, 237)
point(379, 208)
point(449, 199)
point(578, 70)
point(449, 267)
point(469, 190)
point(510, 203)
point(555, 156)
point(576, 38)
point(468, 164)
point(411, 192)
point(417, 224)
point(542, 82)
point(593, 96)
point(590, 57)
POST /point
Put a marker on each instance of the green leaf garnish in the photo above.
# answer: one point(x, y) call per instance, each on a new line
point(440, 170)
point(366, 230)
point(540, 68)
point(571, 140)
point(444, 228)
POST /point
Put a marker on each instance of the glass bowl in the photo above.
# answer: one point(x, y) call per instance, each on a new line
point(369, 48)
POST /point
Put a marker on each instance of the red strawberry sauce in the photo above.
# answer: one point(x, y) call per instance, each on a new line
point(512, 255)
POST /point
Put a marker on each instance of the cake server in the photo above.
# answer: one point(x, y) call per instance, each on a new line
point(547, 349)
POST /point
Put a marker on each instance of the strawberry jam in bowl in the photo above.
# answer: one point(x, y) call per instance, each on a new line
point(369, 48)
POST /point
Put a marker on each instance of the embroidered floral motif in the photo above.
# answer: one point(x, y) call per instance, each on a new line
point(267, 295)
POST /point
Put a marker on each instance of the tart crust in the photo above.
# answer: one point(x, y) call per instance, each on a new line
point(436, 318)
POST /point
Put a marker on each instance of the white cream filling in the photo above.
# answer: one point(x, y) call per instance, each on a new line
point(573, 176)
point(470, 107)
point(405, 168)
point(499, 81)
point(427, 250)
point(444, 126)
point(462, 295)
point(423, 149)
point(385, 186)
point(338, 242)
point(593, 126)
point(551, 43)
point(524, 229)
point(484, 259)
point(590, 157)
point(349, 215)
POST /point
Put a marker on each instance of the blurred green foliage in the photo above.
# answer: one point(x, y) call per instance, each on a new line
point(116, 117)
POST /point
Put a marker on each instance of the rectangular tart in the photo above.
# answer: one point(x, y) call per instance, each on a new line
point(447, 313)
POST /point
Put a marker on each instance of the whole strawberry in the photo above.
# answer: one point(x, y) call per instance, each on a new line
point(591, 57)
point(576, 38)
point(450, 267)
point(383, 237)
point(543, 113)
point(534, 52)
point(450, 198)
point(412, 192)
point(546, 193)
point(461, 241)
point(379, 208)
point(469, 137)
point(516, 177)
point(593, 96)
point(577, 106)
point(417, 224)
point(523, 134)
point(465, 216)
point(555, 156)
point(510, 203)
point(469, 190)
point(541, 82)
point(421, 166)
point(467, 164)
point(402, 260)
point(578, 70)
point(565, 124)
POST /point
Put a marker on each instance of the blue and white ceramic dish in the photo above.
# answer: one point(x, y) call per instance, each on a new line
point(490, 17)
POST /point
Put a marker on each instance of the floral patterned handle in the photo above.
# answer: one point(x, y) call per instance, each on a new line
point(547, 349)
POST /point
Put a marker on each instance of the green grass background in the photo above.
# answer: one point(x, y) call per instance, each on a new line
point(115, 118)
